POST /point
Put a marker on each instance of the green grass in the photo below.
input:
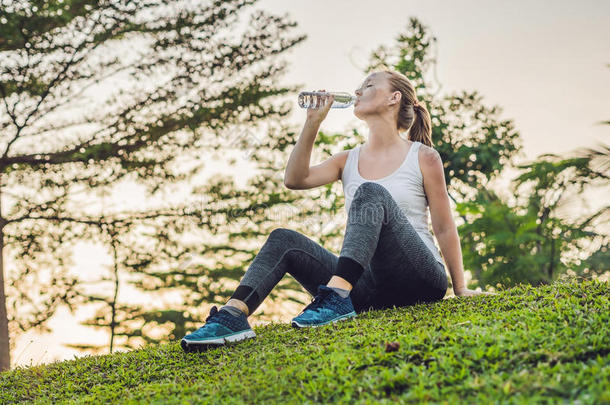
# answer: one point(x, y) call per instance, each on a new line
point(525, 345)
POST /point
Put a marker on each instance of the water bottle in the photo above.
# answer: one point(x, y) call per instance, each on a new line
point(313, 99)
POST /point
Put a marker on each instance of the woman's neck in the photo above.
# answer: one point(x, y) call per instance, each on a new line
point(383, 135)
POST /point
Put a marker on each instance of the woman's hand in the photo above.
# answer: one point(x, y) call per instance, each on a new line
point(318, 114)
point(465, 292)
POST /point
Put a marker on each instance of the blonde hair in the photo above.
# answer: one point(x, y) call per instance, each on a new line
point(414, 118)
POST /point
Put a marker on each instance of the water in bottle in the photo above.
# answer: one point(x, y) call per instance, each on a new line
point(313, 99)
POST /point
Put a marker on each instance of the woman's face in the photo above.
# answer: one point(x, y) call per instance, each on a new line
point(373, 96)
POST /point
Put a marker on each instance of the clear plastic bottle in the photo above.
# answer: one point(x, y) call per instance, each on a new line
point(313, 99)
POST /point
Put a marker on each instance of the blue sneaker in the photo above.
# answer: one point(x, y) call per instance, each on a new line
point(220, 327)
point(326, 307)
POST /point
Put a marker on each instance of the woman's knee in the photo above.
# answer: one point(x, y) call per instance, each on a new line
point(283, 234)
point(369, 192)
point(370, 188)
point(278, 233)
point(370, 197)
point(286, 238)
point(368, 202)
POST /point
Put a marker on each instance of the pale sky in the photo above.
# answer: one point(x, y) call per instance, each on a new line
point(544, 63)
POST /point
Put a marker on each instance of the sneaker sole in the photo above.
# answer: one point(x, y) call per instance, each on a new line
point(297, 325)
point(199, 345)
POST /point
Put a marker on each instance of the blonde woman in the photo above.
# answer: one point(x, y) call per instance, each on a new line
point(388, 257)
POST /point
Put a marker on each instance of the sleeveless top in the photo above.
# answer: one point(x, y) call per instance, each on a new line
point(405, 185)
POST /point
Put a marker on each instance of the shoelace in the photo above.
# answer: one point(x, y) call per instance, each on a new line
point(317, 300)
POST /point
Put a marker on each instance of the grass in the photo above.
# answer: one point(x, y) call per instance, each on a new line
point(525, 345)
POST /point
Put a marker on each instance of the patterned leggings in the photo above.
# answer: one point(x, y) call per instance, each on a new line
point(399, 269)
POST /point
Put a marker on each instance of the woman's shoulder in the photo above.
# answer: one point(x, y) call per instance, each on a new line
point(430, 162)
point(427, 154)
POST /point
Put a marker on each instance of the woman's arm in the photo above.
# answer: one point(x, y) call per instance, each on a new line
point(449, 243)
point(297, 168)
point(443, 224)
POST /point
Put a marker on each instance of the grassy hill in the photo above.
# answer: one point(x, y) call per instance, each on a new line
point(525, 345)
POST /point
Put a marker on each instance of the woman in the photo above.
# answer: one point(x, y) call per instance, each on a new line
point(388, 257)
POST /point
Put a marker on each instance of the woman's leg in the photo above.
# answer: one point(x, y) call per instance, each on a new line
point(285, 251)
point(381, 245)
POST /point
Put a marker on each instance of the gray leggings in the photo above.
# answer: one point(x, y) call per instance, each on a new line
point(399, 269)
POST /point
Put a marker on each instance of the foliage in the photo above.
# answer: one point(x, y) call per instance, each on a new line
point(100, 95)
point(537, 239)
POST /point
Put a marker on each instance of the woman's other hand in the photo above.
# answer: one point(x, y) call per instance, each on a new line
point(318, 114)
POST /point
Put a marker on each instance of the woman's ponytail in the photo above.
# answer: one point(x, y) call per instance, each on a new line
point(421, 128)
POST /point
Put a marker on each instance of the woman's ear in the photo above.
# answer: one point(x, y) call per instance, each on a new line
point(395, 97)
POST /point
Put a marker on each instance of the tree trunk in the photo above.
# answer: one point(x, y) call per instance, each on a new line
point(5, 354)
point(552, 264)
point(113, 323)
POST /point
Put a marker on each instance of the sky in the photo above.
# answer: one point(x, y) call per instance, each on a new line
point(545, 63)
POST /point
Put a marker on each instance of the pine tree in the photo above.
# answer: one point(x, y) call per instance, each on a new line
point(101, 93)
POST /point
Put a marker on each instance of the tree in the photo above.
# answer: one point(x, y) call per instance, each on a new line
point(498, 241)
point(95, 94)
point(531, 242)
point(597, 263)
point(536, 240)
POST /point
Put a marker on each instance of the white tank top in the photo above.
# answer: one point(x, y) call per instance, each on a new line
point(405, 185)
